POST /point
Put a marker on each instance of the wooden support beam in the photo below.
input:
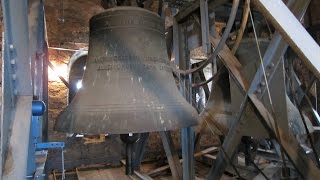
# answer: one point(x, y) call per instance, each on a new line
point(188, 10)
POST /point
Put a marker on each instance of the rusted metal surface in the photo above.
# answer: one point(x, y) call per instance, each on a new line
point(128, 85)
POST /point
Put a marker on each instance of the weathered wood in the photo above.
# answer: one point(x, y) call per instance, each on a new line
point(206, 151)
point(243, 26)
point(142, 176)
point(188, 10)
point(139, 174)
point(185, 12)
point(231, 62)
point(200, 153)
point(102, 174)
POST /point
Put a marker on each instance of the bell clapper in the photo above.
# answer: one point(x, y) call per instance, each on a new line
point(129, 139)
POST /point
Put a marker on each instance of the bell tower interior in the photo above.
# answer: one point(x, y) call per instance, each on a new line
point(160, 89)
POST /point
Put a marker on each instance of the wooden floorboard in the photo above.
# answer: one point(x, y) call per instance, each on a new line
point(103, 174)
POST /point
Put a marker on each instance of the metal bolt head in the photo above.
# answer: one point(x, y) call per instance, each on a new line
point(15, 92)
point(258, 91)
point(14, 76)
point(11, 47)
point(270, 66)
point(13, 61)
point(262, 84)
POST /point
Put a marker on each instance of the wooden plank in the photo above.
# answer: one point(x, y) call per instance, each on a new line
point(140, 175)
point(210, 156)
point(188, 10)
point(102, 174)
point(201, 153)
point(185, 12)
point(231, 62)
point(316, 128)
point(206, 151)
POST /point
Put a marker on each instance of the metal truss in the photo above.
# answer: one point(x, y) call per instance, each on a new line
point(260, 113)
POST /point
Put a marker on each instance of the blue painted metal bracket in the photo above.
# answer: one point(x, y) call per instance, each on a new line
point(50, 145)
point(38, 108)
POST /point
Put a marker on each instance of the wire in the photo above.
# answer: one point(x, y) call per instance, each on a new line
point(260, 57)
point(66, 49)
point(61, 18)
point(214, 78)
point(316, 95)
point(276, 128)
point(304, 121)
point(270, 32)
point(242, 27)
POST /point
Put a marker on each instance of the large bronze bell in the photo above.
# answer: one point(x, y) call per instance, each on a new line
point(128, 85)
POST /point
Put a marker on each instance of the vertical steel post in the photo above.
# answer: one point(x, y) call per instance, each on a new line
point(183, 60)
point(206, 46)
point(38, 53)
point(17, 91)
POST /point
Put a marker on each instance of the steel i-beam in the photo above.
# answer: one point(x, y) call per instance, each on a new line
point(292, 31)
